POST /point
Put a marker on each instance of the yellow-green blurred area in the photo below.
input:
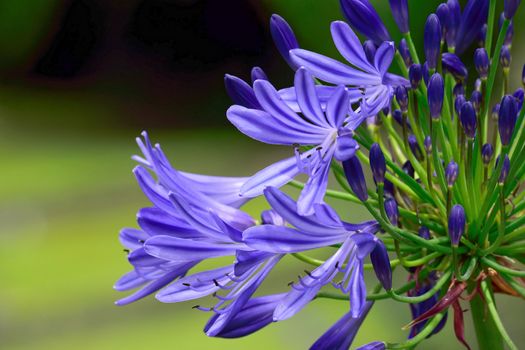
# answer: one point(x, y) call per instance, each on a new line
point(79, 80)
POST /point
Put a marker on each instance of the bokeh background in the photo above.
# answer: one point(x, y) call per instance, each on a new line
point(79, 80)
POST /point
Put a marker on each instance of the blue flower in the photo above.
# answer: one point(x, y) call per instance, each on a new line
point(321, 229)
point(277, 123)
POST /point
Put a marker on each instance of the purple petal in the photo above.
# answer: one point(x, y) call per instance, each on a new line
point(307, 98)
point(333, 71)
point(346, 147)
point(132, 238)
point(315, 188)
point(157, 222)
point(337, 107)
point(349, 45)
point(223, 189)
point(384, 56)
point(240, 92)
point(276, 175)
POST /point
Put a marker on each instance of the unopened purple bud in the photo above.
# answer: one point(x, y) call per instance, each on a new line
point(451, 173)
point(453, 21)
point(428, 145)
point(478, 84)
point(364, 18)
point(408, 169)
point(432, 40)
point(459, 89)
point(456, 224)
point(392, 211)
point(487, 151)
point(510, 30)
point(482, 35)
point(404, 51)
point(426, 73)
point(523, 75)
point(377, 163)
point(283, 37)
point(495, 112)
point(442, 12)
point(476, 98)
point(467, 116)
point(356, 178)
point(389, 189)
point(398, 117)
point(510, 8)
point(505, 57)
point(472, 19)
point(386, 110)
point(519, 94)
point(400, 13)
point(258, 74)
point(453, 65)
point(459, 102)
point(402, 98)
point(504, 169)
point(508, 114)
point(482, 61)
point(381, 263)
point(435, 95)
point(415, 75)
point(424, 232)
point(414, 147)
point(375, 345)
point(370, 50)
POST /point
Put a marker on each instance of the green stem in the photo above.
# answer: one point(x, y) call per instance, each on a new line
point(484, 325)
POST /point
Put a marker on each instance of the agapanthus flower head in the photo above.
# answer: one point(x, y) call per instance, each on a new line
point(508, 114)
point(400, 13)
point(456, 224)
point(435, 95)
point(451, 173)
point(377, 163)
point(487, 151)
point(468, 118)
point(283, 37)
point(482, 62)
point(364, 18)
point(510, 8)
point(432, 40)
point(415, 75)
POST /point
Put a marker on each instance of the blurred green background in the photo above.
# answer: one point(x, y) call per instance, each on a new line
point(79, 79)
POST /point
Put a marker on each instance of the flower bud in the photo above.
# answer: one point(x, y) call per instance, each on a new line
point(381, 263)
point(402, 98)
point(428, 145)
point(370, 50)
point(452, 23)
point(510, 7)
point(283, 37)
point(476, 100)
point(519, 94)
point(415, 75)
point(424, 232)
point(504, 169)
point(435, 95)
point(408, 169)
point(508, 114)
point(375, 345)
point(398, 117)
point(404, 51)
point(453, 65)
point(467, 117)
point(458, 90)
point(364, 18)
point(442, 12)
point(487, 151)
point(459, 102)
point(432, 40)
point(400, 13)
point(392, 211)
point(426, 73)
point(523, 76)
point(482, 61)
point(510, 29)
point(356, 178)
point(389, 189)
point(377, 163)
point(495, 112)
point(456, 224)
point(414, 147)
point(477, 85)
point(482, 35)
point(258, 74)
point(505, 57)
point(451, 173)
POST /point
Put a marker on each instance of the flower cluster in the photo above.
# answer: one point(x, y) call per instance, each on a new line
point(446, 154)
